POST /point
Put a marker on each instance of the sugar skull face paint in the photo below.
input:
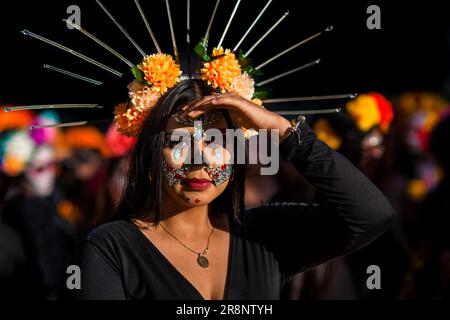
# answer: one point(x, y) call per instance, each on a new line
point(220, 174)
point(195, 161)
point(174, 175)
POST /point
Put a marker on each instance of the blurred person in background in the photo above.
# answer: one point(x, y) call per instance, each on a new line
point(359, 132)
point(30, 211)
point(83, 176)
point(434, 217)
point(120, 147)
point(413, 173)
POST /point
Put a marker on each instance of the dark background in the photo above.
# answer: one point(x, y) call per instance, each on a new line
point(410, 52)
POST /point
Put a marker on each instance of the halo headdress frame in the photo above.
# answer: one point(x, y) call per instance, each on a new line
point(159, 72)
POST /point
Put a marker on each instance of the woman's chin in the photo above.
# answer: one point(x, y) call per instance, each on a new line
point(197, 198)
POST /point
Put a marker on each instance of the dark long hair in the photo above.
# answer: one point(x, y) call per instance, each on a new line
point(142, 196)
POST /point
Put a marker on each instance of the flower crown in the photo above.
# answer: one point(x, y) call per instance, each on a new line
point(159, 72)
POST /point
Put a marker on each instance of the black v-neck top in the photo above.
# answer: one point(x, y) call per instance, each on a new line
point(267, 246)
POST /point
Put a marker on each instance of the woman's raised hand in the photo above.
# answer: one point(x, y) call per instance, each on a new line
point(246, 113)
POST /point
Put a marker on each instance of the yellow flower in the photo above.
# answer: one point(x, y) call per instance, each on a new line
point(249, 133)
point(244, 86)
point(364, 110)
point(221, 72)
point(258, 102)
point(326, 134)
point(129, 120)
point(161, 71)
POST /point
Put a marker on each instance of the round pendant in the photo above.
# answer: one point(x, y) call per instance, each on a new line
point(203, 262)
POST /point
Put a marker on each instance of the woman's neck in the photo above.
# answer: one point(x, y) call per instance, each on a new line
point(186, 220)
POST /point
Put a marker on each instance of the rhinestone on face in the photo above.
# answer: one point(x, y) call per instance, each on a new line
point(220, 175)
point(218, 154)
point(177, 154)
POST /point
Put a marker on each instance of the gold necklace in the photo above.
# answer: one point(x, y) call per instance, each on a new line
point(201, 256)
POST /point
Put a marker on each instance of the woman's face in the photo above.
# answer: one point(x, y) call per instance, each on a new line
point(196, 166)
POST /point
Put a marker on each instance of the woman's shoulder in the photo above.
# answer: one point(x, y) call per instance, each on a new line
point(110, 232)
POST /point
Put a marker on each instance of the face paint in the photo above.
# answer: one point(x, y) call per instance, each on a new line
point(41, 174)
point(174, 175)
point(221, 174)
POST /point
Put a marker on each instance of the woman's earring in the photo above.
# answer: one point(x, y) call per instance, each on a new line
point(150, 174)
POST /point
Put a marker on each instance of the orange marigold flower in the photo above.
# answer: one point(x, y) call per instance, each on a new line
point(161, 71)
point(221, 72)
point(129, 120)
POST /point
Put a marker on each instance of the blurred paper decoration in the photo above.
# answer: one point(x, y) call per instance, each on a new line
point(326, 133)
point(420, 112)
point(16, 151)
point(14, 120)
point(429, 177)
point(18, 143)
point(409, 103)
point(371, 110)
point(45, 135)
point(119, 144)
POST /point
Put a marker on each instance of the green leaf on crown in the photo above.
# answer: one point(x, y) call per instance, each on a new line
point(246, 65)
point(138, 74)
point(252, 71)
point(243, 61)
point(262, 93)
point(201, 50)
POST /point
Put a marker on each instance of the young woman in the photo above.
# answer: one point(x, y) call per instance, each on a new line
point(181, 232)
